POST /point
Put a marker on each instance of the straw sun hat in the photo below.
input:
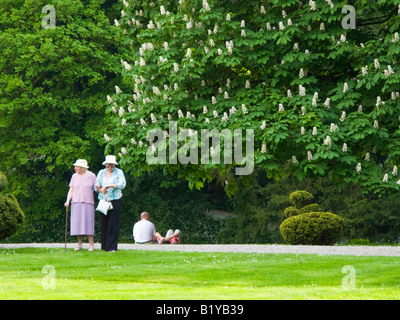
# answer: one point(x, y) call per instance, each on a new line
point(110, 160)
point(81, 163)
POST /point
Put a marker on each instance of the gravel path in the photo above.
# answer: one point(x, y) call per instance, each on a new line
point(244, 248)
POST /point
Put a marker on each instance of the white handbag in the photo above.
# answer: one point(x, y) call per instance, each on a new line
point(104, 206)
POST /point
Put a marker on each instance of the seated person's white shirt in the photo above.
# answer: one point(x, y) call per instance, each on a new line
point(143, 231)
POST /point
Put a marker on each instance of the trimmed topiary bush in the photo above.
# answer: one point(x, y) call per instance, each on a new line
point(291, 212)
point(312, 228)
point(305, 224)
point(313, 207)
point(3, 181)
point(11, 216)
point(301, 198)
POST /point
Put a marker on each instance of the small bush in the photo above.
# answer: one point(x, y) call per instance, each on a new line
point(3, 181)
point(314, 207)
point(312, 228)
point(291, 212)
point(11, 216)
point(301, 199)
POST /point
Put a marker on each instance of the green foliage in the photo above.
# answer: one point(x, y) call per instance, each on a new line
point(11, 216)
point(312, 228)
point(313, 207)
point(291, 211)
point(306, 225)
point(321, 99)
point(301, 199)
point(3, 181)
point(53, 87)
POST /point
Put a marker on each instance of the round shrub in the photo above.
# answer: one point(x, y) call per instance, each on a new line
point(3, 181)
point(312, 228)
point(11, 216)
point(291, 211)
point(301, 199)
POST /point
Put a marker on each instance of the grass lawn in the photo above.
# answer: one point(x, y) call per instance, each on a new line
point(131, 274)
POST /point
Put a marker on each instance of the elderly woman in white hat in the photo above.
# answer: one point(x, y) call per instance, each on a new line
point(82, 206)
point(109, 183)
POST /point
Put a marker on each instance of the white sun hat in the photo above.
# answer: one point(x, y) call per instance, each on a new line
point(110, 160)
point(81, 163)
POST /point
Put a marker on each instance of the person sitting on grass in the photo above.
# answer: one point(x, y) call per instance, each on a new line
point(144, 231)
point(171, 237)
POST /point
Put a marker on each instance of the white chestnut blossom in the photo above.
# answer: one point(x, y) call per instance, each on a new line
point(106, 137)
point(327, 141)
point(345, 87)
point(263, 148)
point(314, 131)
point(327, 103)
point(334, 128)
point(376, 64)
point(206, 6)
point(301, 73)
point(302, 90)
point(358, 168)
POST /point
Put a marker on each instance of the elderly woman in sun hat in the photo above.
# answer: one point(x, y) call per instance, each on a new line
point(81, 196)
point(109, 183)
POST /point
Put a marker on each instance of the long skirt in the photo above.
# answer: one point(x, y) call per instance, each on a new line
point(82, 219)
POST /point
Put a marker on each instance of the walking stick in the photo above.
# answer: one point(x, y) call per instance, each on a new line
point(66, 229)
